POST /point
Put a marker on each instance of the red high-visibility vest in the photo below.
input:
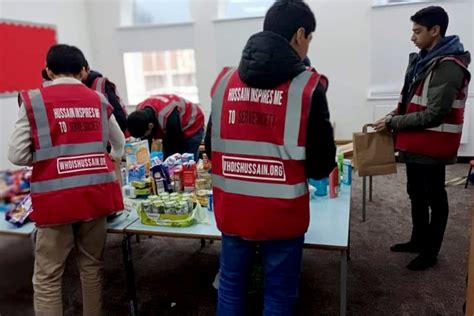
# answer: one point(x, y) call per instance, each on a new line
point(99, 85)
point(73, 177)
point(259, 156)
point(442, 141)
point(191, 116)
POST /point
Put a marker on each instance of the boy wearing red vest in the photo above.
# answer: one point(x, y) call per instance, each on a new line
point(96, 81)
point(175, 120)
point(63, 131)
point(428, 125)
point(269, 132)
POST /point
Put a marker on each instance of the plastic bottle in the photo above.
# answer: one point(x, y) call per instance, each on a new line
point(340, 162)
point(321, 187)
point(347, 172)
point(334, 183)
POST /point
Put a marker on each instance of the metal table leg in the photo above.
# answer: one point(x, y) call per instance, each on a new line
point(370, 189)
point(364, 195)
point(130, 275)
point(343, 302)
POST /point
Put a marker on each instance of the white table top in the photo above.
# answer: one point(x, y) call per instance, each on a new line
point(329, 224)
point(208, 231)
point(119, 223)
point(329, 221)
point(7, 228)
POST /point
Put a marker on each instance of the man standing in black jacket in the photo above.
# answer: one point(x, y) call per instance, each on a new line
point(246, 136)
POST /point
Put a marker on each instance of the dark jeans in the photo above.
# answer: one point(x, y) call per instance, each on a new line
point(425, 186)
point(281, 261)
point(191, 145)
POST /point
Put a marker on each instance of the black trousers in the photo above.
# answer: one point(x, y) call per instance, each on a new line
point(425, 187)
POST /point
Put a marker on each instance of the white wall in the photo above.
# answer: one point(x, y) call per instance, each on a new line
point(69, 17)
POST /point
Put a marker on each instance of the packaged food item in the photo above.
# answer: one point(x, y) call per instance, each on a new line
point(124, 175)
point(159, 207)
point(174, 195)
point(142, 192)
point(147, 207)
point(334, 183)
point(189, 177)
point(347, 172)
point(206, 162)
point(211, 202)
point(164, 195)
point(182, 208)
point(189, 202)
point(162, 170)
point(156, 158)
point(173, 160)
point(136, 173)
point(321, 187)
point(159, 183)
point(186, 157)
point(129, 191)
point(20, 214)
point(137, 153)
point(201, 197)
point(138, 184)
point(202, 184)
point(170, 208)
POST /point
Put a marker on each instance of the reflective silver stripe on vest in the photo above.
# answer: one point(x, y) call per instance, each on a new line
point(264, 190)
point(72, 182)
point(105, 118)
point(217, 103)
point(294, 108)
point(258, 148)
point(457, 104)
point(68, 150)
point(448, 128)
point(422, 100)
point(41, 118)
point(99, 83)
point(168, 109)
point(192, 119)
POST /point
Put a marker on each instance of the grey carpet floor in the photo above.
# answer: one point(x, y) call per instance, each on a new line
point(174, 276)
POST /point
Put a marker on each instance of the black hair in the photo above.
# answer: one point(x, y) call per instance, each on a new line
point(65, 59)
point(44, 74)
point(137, 123)
point(432, 16)
point(285, 17)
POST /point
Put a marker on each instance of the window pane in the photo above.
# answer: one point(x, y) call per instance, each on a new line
point(149, 73)
point(161, 11)
point(244, 8)
point(383, 2)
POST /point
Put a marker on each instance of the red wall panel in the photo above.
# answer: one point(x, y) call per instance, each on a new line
point(23, 49)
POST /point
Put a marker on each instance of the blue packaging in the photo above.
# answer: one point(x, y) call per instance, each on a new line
point(321, 187)
point(347, 172)
point(211, 202)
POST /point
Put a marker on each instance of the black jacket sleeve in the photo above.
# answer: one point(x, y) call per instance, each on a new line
point(118, 110)
point(173, 141)
point(320, 147)
point(207, 139)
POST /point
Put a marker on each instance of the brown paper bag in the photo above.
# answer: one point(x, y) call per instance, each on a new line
point(374, 153)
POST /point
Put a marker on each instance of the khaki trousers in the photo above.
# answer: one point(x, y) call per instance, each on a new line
point(53, 245)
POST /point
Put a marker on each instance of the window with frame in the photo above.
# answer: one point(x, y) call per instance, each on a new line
point(150, 73)
point(160, 11)
point(395, 2)
point(234, 9)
